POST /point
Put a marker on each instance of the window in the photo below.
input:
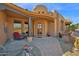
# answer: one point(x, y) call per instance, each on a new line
point(17, 26)
point(39, 25)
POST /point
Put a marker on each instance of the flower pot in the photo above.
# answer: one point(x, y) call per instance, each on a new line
point(29, 39)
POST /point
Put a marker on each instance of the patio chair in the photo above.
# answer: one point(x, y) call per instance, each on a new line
point(17, 36)
point(48, 35)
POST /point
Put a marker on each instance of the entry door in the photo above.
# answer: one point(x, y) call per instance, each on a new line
point(40, 29)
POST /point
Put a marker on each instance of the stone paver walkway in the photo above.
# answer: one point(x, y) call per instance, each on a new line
point(48, 46)
point(15, 48)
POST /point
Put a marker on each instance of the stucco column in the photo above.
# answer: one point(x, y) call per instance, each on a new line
point(22, 26)
point(59, 25)
point(30, 26)
point(55, 27)
point(64, 26)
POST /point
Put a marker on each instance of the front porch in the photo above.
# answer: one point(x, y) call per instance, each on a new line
point(36, 27)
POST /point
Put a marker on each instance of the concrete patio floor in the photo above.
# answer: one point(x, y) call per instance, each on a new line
point(50, 46)
point(15, 48)
point(46, 46)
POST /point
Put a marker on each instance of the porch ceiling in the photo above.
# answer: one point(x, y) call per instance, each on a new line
point(28, 13)
point(19, 16)
point(13, 14)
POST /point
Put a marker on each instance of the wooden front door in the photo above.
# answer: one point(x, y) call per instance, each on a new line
point(39, 29)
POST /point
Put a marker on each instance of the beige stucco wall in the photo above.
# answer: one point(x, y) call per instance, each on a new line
point(2, 25)
point(51, 28)
point(9, 26)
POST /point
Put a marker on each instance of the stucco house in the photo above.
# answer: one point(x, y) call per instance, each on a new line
point(38, 22)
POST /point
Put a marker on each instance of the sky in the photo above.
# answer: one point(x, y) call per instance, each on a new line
point(68, 10)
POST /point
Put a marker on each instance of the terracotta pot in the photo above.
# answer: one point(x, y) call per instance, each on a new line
point(29, 39)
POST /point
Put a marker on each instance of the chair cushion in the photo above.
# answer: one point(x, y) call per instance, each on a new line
point(16, 34)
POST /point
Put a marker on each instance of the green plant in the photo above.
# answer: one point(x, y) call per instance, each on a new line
point(72, 27)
